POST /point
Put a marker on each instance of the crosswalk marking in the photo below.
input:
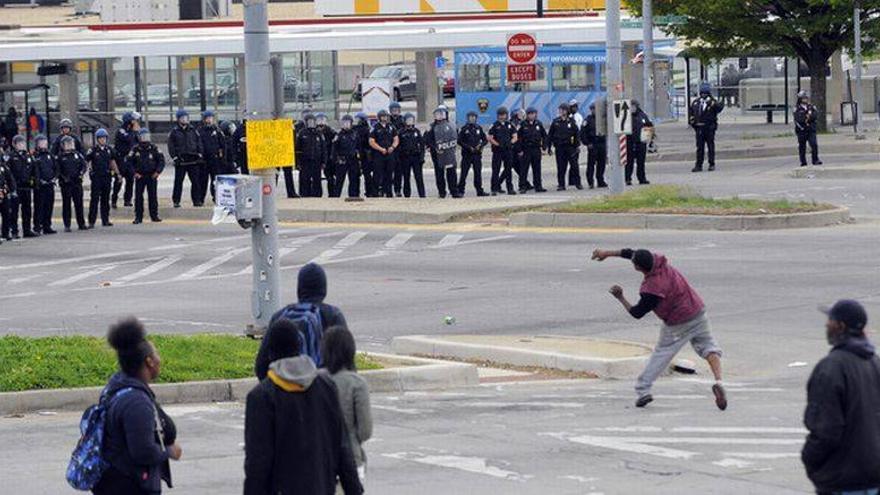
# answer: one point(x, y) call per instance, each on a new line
point(398, 241)
point(151, 269)
point(70, 260)
point(455, 240)
point(295, 244)
point(449, 240)
point(82, 276)
point(212, 263)
point(346, 242)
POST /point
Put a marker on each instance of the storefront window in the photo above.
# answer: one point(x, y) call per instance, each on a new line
point(576, 77)
point(479, 78)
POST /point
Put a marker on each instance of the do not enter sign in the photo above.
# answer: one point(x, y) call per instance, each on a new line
point(521, 48)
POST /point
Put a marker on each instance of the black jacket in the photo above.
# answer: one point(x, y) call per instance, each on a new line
point(295, 437)
point(213, 141)
point(310, 147)
point(805, 117)
point(639, 120)
point(131, 441)
point(7, 182)
point(185, 144)
point(123, 141)
point(346, 147)
point(23, 168)
point(842, 451)
point(412, 143)
point(472, 139)
point(100, 158)
point(71, 167)
point(532, 135)
point(329, 135)
point(563, 133)
point(146, 159)
point(502, 133)
point(589, 137)
point(47, 171)
point(706, 118)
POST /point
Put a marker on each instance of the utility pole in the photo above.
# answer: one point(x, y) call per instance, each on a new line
point(614, 68)
point(859, 96)
point(539, 8)
point(648, 57)
point(266, 295)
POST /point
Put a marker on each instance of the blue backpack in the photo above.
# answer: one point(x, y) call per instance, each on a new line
point(309, 338)
point(87, 465)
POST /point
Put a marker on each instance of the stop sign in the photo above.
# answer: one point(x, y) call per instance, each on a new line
point(521, 48)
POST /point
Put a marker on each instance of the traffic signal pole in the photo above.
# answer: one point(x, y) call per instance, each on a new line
point(614, 55)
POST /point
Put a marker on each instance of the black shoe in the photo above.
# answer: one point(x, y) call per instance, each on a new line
point(106, 224)
point(644, 400)
point(30, 234)
point(198, 205)
point(818, 162)
point(511, 192)
point(711, 168)
point(482, 194)
point(697, 169)
point(137, 221)
point(8, 237)
point(442, 195)
point(113, 206)
point(155, 219)
point(494, 193)
point(579, 187)
point(67, 229)
point(128, 205)
point(803, 164)
point(91, 225)
point(16, 235)
point(592, 186)
point(457, 196)
point(177, 205)
point(540, 190)
point(523, 190)
point(629, 182)
point(560, 188)
point(720, 396)
point(86, 227)
point(49, 231)
point(602, 185)
point(644, 182)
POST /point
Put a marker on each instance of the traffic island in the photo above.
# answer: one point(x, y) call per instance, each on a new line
point(863, 171)
point(602, 358)
point(681, 208)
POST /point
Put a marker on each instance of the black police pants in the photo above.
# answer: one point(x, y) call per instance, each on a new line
point(471, 161)
point(596, 158)
point(398, 173)
point(412, 165)
point(445, 176)
point(100, 195)
point(567, 163)
point(126, 177)
point(352, 171)
point(72, 195)
point(214, 165)
point(532, 161)
point(635, 158)
point(803, 139)
point(502, 158)
point(25, 204)
point(705, 142)
point(383, 166)
point(288, 182)
point(181, 172)
point(522, 173)
point(148, 184)
point(330, 176)
point(370, 188)
point(310, 179)
point(45, 201)
point(340, 173)
point(5, 220)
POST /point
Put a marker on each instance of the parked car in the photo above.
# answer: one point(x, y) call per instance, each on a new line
point(402, 78)
point(159, 95)
point(448, 77)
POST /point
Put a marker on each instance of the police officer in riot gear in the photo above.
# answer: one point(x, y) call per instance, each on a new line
point(533, 140)
point(44, 193)
point(214, 153)
point(185, 148)
point(328, 166)
point(310, 148)
point(24, 170)
point(442, 140)
point(148, 163)
point(7, 195)
point(472, 140)
point(805, 118)
point(362, 127)
point(411, 156)
point(345, 157)
point(384, 141)
point(66, 126)
point(123, 141)
point(102, 169)
point(594, 139)
point(563, 136)
point(71, 169)
point(636, 149)
point(704, 119)
point(397, 120)
point(503, 137)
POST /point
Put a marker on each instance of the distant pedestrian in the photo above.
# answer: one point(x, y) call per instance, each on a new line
point(354, 393)
point(667, 293)
point(295, 439)
point(311, 292)
point(36, 123)
point(704, 119)
point(805, 118)
point(842, 451)
point(139, 438)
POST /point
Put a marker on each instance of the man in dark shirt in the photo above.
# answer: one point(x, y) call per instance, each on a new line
point(532, 140)
point(502, 136)
point(384, 141)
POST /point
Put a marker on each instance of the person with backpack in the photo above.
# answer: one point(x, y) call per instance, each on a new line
point(139, 438)
point(311, 308)
point(338, 351)
point(295, 439)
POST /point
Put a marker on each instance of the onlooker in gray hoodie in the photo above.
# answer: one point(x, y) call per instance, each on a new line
point(354, 394)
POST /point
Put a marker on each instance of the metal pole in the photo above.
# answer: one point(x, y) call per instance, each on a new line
point(648, 57)
point(786, 89)
point(540, 8)
point(614, 68)
point(859, 96)
point(266, 294)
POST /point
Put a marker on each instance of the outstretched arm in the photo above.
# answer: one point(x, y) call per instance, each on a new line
point(601, 254)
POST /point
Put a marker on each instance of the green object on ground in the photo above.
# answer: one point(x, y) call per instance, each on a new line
point(683, 200)
point(80, 361)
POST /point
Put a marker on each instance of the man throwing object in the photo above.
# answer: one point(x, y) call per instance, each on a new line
point(667, 293)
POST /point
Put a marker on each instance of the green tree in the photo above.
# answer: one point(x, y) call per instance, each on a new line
point(811, 29)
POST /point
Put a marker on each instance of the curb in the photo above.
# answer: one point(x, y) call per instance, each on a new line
point(414, 374)
point(681, 222)
point(768, 152)
point(820, 172)
point(603, 367)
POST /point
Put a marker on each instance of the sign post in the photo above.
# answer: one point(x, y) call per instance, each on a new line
point(615, 91)
point(522, 49)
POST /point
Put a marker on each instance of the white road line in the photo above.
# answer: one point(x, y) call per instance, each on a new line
point(151, 269)
point(345, 243)
point(448, 240)
point(398, 241)
point(733, 463)
point(763, 455)
point(738, 429)
point(626, 444)
point(294, 246)
point(82, 276)
point(455, 240)
point(401, 410)
point(20, 280)
point(19, 295)
point(211, 263)
point(475, 465)
point(101, 256)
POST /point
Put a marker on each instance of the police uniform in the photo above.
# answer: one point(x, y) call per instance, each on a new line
point(383, 164)
point(22, 166)
point(329, 166)
point(101, 172)
point(346, 159)
point(146, 161)
point(411, 158)
point(502, 155)
point(597, 152)
point(47, 173)
point(71, 169)
point(397, 121)
point(362, 129)
point(7, 191)
point(239, 147)
point(123, 141)
point(636, 150)
point(55, 149)
point(185, 148)
point(213, 147)
point(563, 135)
point(805, 117)
point(704, 119)
point(519, 158)
point(533, 140)
point(472, 140)
point(442, 139)
point(310, 147)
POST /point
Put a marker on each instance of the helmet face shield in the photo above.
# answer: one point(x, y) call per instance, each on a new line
point(322, 120)
point(410, 120)
point(439, 114)
point(68, 145)
point(144, 137)
point(20, 145)
point(183, 119)
point(232, 128)
point(42, 143)
point(346, 124)
point(102, 140)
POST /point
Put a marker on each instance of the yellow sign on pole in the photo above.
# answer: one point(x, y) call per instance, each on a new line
point(269, 143)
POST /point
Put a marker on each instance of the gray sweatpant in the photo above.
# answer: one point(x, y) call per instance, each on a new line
point(672, 339)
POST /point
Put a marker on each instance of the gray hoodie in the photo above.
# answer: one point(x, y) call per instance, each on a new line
point(299, 370)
